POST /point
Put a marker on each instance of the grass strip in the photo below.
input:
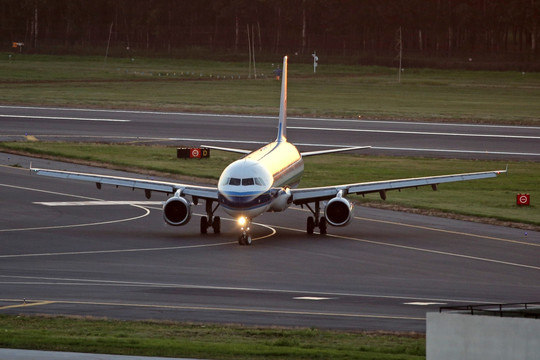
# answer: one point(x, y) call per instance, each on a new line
point(223, 87)
point(491, 198)
point(173, 339)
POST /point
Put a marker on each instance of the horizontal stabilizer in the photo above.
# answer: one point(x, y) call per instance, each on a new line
point(329, 151)
point(238, 151)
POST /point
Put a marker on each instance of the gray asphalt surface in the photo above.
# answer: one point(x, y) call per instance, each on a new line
point(382, 272)
point(386, 137)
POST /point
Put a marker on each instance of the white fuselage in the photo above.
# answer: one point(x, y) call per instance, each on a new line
point(259, 182)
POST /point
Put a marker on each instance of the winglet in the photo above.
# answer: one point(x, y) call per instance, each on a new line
point(499, 172)
point(282, 128)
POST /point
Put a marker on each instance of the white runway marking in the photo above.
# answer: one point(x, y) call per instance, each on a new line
point(424, 250)
point(146, 212)
point(424, 303)
point(311, 298)
point(18, 279)
point(401, 132)
point(359, 121)
point(98, 203)
point(483, 152)
point(60, 118)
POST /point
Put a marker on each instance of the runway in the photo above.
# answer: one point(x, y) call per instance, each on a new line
point(399, 138)
point(68, 248)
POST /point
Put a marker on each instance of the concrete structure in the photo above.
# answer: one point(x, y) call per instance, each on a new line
point(452, 336)
point(14, 354)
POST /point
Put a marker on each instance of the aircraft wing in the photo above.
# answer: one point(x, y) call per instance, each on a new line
point(134, 183)
point(306, 195)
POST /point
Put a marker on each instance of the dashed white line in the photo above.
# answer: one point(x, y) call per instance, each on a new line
point(402, 132)
point(98, 203)
point(311, 298)
point(61, 118)
point(424, 303)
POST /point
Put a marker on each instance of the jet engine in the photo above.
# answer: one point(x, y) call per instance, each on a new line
point(177, 211)
point(338, 211)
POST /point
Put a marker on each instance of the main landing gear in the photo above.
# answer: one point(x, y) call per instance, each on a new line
point(314, 221)
point(210, 220)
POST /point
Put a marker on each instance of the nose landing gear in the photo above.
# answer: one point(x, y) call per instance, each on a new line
point(245, 236)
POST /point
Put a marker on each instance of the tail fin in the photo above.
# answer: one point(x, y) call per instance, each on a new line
point(282, 128)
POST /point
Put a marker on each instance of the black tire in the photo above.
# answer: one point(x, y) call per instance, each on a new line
point(323, 225)
point(204, 225)
point(216, 225)
point(310, 225)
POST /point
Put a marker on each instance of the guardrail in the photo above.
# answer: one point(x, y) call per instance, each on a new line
point(526, 310)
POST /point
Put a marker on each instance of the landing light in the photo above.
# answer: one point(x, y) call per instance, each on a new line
point(242, 221)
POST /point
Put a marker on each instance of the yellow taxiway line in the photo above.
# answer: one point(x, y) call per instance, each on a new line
point(27, 304)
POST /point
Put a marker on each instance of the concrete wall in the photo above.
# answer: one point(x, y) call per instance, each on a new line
point(452, 336)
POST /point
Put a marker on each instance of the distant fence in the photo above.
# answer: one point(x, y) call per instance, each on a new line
point(526, 310)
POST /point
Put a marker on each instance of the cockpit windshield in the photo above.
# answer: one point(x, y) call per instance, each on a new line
point(245, 181)
point(234, 181)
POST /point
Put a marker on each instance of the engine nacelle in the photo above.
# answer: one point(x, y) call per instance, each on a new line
point(177, 211)
point(338, 211)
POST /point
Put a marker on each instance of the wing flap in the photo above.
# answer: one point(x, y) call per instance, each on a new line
point(302, 196)
point(134, 183)
point(364, 188)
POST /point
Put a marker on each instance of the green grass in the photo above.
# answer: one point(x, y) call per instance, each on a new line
point(494, 198)
point(336, 90)
point(171, 339)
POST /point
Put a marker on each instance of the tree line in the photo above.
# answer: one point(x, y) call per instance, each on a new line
point(440, 28)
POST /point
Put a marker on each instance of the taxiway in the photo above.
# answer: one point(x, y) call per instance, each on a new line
point(68, 248)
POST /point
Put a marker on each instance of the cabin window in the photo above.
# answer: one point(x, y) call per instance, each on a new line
point(234, 181)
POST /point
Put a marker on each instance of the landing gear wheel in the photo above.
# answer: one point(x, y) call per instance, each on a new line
point(204, 225)
point(322, 225)
point(216, 225)
point(310, 225)
point(245, 239)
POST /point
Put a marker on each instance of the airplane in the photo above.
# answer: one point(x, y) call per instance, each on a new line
point(264, 180)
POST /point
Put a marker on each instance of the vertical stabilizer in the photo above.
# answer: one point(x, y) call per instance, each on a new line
point(282, 128)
